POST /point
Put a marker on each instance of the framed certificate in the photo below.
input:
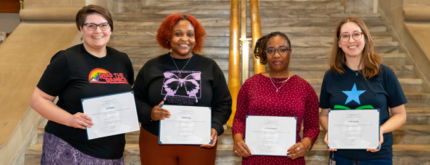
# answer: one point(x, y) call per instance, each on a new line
point(111, 114)
point(270, 135)
point(187, 125)
point(353, 129)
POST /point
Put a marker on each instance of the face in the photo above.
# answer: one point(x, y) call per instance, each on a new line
point(95, 38)
point(351, 47)
point(278, 62)
point(183, 39)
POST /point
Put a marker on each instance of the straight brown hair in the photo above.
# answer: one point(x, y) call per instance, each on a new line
point(370, 61)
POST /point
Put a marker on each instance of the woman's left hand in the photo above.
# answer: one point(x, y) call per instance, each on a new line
point(214, 139)
point(381, 140)
point(298, 150)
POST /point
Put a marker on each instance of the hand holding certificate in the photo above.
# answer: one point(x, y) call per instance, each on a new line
point(112, 114)
point(272, 136)
point(187, 125)
point(353, 129)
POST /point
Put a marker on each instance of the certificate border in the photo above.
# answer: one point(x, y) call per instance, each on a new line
point(159, 127)
point(379, 127)
point(295, 130)
point(83, 110)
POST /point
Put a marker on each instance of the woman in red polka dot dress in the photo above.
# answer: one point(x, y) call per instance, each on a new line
point(276, 93)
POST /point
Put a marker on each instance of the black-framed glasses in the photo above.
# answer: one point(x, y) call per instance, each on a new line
point(92, 26)
point(356, 36)
point(281, 50)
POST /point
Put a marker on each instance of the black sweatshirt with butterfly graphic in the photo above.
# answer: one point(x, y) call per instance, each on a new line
point(200, 83)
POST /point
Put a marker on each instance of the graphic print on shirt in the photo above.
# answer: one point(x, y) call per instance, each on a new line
point(353, 95)
point(184, 91)
point(102, 76)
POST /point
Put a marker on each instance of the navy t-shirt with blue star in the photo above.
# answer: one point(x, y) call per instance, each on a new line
point(352, 90)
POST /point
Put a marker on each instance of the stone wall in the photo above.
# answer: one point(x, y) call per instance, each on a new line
point(412, 35)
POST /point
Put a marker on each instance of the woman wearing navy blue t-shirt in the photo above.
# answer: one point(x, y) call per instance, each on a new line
point(357, 79)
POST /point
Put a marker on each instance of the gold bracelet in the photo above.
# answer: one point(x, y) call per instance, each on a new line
point(310, 144)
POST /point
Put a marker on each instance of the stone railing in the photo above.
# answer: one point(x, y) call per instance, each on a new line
point(46, 28)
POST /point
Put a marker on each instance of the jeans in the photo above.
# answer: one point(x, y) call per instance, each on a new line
point(344, 161)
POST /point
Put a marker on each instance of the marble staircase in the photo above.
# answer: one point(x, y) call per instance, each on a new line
point(309, 24)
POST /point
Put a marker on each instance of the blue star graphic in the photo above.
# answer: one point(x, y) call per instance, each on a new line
point(353, 95)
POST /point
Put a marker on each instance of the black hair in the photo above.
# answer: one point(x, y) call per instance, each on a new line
point(260, 46)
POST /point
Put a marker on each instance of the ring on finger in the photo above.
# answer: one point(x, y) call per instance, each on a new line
point(298, 149)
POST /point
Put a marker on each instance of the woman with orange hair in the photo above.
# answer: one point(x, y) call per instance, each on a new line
point(358, 80)
point(184, 36)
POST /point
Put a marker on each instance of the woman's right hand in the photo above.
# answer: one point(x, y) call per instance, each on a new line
point(326, 142)
point(241, 149)
point(80, 120)
point(159, 113)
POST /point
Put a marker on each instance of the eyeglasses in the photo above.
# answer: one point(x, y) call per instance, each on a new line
point(92, 26)
point(281, 50)
point(356, 36)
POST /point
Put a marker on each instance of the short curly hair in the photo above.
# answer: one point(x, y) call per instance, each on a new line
point(165, 32)
point(260, 46)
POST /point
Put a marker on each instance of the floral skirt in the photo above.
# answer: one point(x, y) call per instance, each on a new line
point(56, 151)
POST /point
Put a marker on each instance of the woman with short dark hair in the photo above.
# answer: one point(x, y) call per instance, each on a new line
point(276, 93)
point(180, 77)
point(86, 70)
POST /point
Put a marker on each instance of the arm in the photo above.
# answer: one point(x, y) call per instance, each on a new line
point(239, 147)
point(44, 105)
point(324, 118)
point(310, 126)
point(145, 112)
point(52, 82)
point(221, 101)
point(397, 119)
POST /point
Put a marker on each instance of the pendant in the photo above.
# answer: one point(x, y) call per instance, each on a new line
point(180, 74)
point(356, 74)
point(276, 90)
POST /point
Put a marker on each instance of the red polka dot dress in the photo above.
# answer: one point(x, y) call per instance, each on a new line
point(296, 98)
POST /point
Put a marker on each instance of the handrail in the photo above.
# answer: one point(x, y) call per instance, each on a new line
point(256, 33)
point(234, 59)
point(244, 41)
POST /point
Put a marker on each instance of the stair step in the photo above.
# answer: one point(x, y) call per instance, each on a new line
point(145, 30)
point(155, 15)
point(267, 22)
point(418, 116)
point(223, 41)
point(402, 154)
point(226, 5)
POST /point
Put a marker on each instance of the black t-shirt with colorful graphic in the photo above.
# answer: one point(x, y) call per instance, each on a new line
point(201, 83)
point(351, 91)
point(74, 74)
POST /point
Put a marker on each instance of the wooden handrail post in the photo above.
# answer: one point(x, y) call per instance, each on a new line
point(234, 59)
point(256, 33)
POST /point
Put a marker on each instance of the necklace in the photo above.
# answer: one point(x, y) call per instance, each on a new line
point(180, 71)
point(356, 72)
point(277, 89)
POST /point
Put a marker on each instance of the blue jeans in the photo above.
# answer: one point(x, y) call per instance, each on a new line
point(344, 161)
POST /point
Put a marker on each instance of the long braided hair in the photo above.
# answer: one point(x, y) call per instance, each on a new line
point(260, 46)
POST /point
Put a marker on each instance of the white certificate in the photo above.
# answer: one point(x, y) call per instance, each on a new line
point(270, 135)
point(187, 125)
point(111, 114)
point(353, 129)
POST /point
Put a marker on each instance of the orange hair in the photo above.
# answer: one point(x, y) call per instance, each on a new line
point(370, 61)
point(165, 32)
